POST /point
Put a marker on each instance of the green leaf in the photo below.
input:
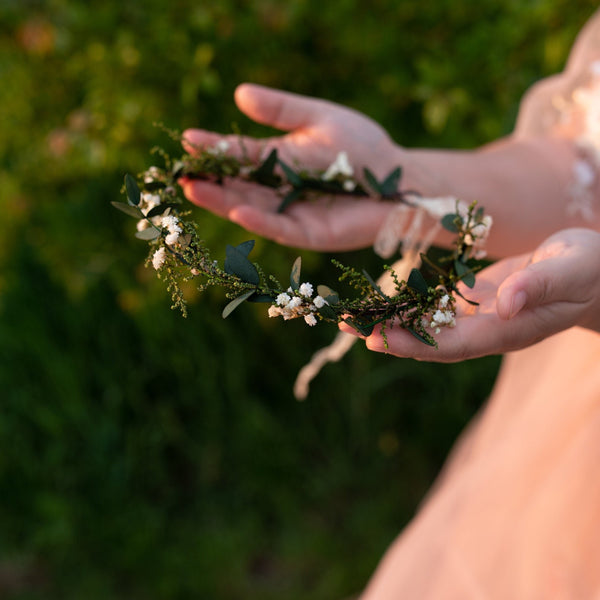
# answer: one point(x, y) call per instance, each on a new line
point(417, 282)
point(389, 186)
point(150, 233)
point(236, 263)
point(328, 313)
point(363, 329)
point(261, 298)
point(295, 274)
point(465, 274)
point(154, 186)
point(329, 295)
point(132, 189)
point(264, 173)
point(178, 168)
point(426, 340)
point(289, 198)
point(372, 181)
point(246, 247)
point(235, 303)
point(132, 211)
point(159, 210)
point(449, 222)
point(471, 302)
point(291, 175)
point(373, 284)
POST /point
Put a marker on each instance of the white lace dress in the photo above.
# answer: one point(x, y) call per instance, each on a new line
point(516, 512)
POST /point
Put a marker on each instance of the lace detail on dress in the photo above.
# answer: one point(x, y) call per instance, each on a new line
point(568, 105)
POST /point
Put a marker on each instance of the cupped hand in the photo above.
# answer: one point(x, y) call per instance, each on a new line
point(522, 300)
point(317, 131)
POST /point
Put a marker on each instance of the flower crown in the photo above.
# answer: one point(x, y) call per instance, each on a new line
point(178, 254)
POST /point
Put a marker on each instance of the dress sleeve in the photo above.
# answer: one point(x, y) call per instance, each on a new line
point(567, 105)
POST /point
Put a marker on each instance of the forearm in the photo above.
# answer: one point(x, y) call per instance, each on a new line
point(522, 184)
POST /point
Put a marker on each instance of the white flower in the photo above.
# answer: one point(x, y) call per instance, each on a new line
point(306, 289)
point(444, 301)
point(340, 166)
point(319, 302)
point(159, 257)
point(349, 185)
point(310, 320)
point(148, 202)
point(282, 299)
point(171, 223)
point(172, 238)
point(295, 302)
point(274, 311)
point(142, 224)
point(219, 148)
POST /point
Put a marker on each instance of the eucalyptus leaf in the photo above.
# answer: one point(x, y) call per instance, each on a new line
point(465, 274)
point(426, 340)
point(150, 233)
point(471, 302)
point(327, 312)
point(365, 330)
point(389, 186)
point(132, 189)
point(246, 247)
point(291, 175)
point(449, 222)
point(372, 181)
point(329, 295)
point(177, 169)
point(373, 284)
point(237, 264)
point(417, 282)
point(132, 211)
point(264, 173)
point(154, 186)
point(160, 209)
point(235, 303)
point(261, 298)
point(289, 198)
point(295, 274)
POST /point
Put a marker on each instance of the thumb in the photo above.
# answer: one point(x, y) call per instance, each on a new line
point(537, 284)
point(282, 110)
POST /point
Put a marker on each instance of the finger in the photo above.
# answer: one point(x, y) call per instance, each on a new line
point(197, 140)
point(222, 199)
point(539, 284)
point(282, 110)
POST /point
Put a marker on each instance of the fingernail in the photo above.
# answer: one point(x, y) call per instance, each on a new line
point(517, 303)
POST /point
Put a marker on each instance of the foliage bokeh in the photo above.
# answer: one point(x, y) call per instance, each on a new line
point(148, 456)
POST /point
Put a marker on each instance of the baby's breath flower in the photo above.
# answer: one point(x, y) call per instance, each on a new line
point(306, 289)
point(295, 302)
point(274, 311)
point(340, 166)
point(219, 148)
point(159, 257)
point(282, 299)
point(310, 319)
point(172, 238)
point(171, 223)
point(319, 302)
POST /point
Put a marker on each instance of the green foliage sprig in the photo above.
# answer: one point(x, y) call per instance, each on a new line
point(178, 254)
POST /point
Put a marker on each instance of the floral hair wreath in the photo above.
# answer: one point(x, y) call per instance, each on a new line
point(419, 305)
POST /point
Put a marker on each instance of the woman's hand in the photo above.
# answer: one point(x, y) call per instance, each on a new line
point(522, 300)
point(317, 131)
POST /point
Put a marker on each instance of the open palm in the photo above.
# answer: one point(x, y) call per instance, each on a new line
point(317, 131)
point(522, 300)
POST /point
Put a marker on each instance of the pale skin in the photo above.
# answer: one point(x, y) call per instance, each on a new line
point(521, 182)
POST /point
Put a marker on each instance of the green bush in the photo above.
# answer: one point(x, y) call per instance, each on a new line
point(148, 456)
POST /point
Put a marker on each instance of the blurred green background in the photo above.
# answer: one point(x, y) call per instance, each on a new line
point(147, 456)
